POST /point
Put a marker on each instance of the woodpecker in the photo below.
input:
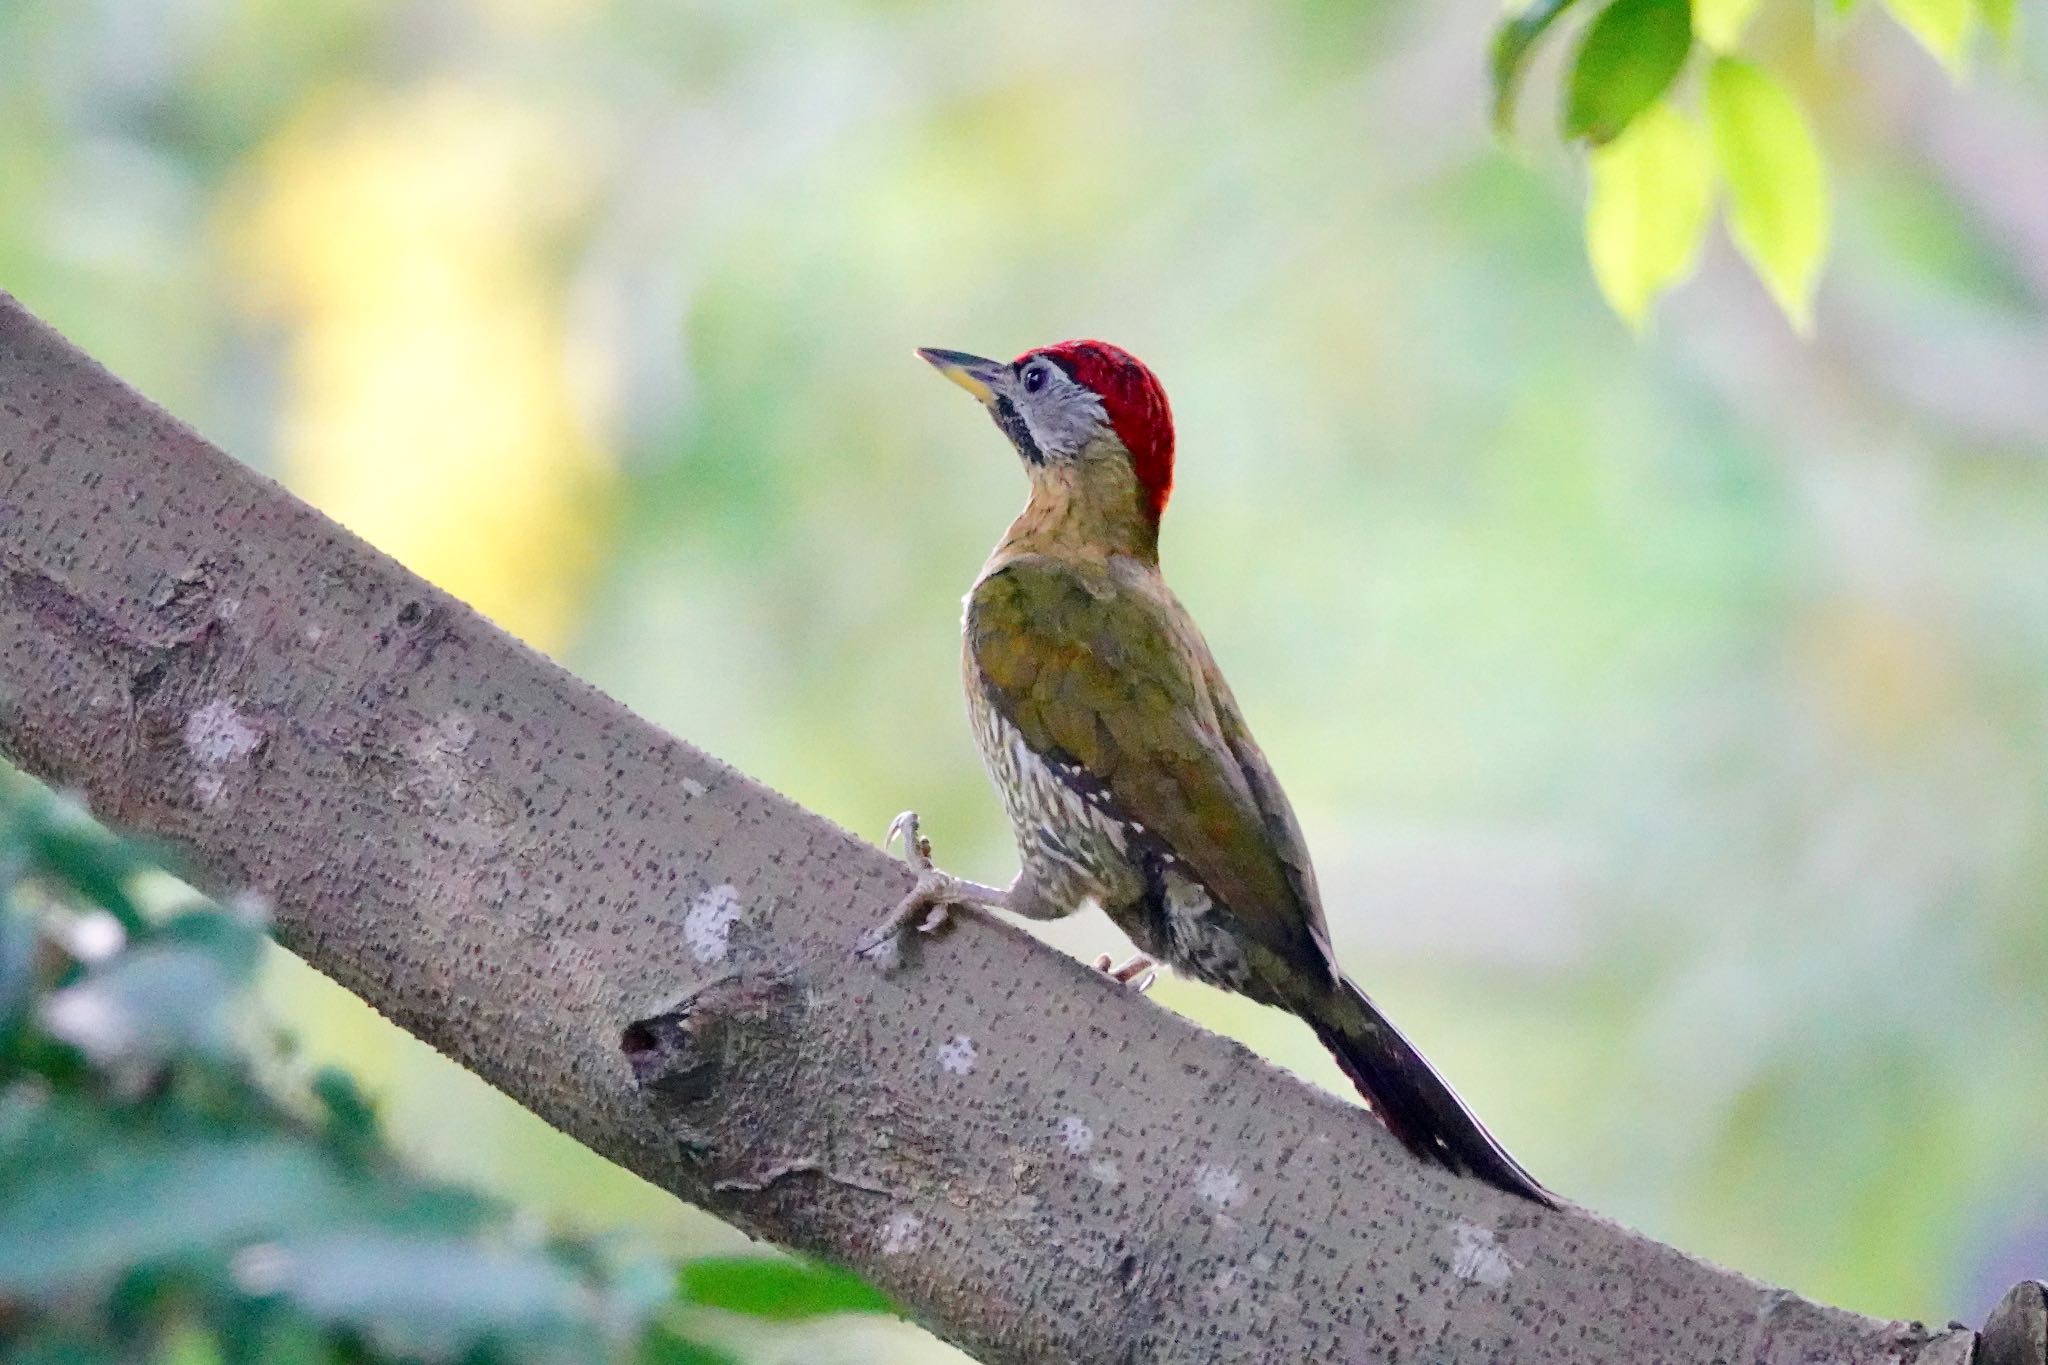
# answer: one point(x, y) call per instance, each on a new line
point(1123, 763)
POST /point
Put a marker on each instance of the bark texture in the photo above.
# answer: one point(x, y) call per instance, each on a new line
point(650, 950)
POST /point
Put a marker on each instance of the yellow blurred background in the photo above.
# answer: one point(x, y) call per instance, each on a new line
point(1669, 717)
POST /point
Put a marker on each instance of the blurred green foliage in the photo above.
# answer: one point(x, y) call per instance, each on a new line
point(1648, 209)
point(1627, 59)
point(172, 1189)
point(1664, 710)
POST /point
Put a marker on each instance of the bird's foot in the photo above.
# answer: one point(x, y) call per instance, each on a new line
point(1136, 971)
point(927, 906)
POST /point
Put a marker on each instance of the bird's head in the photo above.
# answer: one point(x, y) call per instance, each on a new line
point(1084, 414)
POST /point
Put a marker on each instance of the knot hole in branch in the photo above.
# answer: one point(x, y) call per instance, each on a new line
point(717, 1039)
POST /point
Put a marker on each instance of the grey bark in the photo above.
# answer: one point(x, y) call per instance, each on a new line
point(650, 950)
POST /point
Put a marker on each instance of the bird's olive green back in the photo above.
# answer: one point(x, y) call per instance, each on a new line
point(1109, 671)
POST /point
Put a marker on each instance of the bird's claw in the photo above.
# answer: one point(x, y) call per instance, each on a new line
point(928, 905)
point(917, 850)
point(1137, 971)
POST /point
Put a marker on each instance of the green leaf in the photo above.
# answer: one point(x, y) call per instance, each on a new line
point(1940, 25)
point(415, 1295)
point(19, 945)
point(1652, 189)
point(64, 1346)
point(2002, 17)
point(1719, 23)
point(236, 946)
point(146, 1006)
point(270, 1334)
point(1514, 43)
point(188, 1343)
point(351, 1117)
point(1777, 186)
point(73, 853)
point(777, 1290)
point(103, 1201)
point(662, 1346)
point(1628, 59)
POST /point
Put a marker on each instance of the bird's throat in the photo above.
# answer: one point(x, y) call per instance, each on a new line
point(1086, 510)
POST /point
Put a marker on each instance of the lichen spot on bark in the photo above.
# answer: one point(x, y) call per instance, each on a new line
point(957, 1055)
point(217, 735)
point(707, 924)
point(1478, 1257)
point(1219, 1187)
point(901, 1234)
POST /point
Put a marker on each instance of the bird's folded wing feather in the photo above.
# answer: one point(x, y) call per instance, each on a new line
point(1117, 680)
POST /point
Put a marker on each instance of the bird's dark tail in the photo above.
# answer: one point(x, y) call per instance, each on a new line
point(1417, 1105)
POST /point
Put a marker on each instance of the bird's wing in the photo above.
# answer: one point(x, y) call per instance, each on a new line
point(1119, 682)
point(1282, 829)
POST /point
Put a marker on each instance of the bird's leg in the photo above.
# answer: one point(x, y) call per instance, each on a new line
point(1136, 971)
point(928, 904)
point(929, 901)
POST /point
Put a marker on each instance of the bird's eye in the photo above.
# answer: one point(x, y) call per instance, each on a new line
point(1034, 378)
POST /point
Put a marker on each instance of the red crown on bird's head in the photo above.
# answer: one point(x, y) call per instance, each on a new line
point(1134, 402)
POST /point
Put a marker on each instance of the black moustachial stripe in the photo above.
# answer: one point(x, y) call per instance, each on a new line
point(1013, 425)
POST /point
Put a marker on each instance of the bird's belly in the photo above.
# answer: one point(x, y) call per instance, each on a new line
point(1183, 925)
point(1075, 848)
point(1072, 846)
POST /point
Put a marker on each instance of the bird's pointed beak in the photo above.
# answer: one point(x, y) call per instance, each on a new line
point(971, 372)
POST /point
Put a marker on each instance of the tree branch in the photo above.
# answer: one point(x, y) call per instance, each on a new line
point(650, 950)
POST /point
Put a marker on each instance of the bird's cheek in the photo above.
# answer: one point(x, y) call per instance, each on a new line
point(1019, 431)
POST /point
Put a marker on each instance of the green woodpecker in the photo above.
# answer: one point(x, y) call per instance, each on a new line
point(1123, 763)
